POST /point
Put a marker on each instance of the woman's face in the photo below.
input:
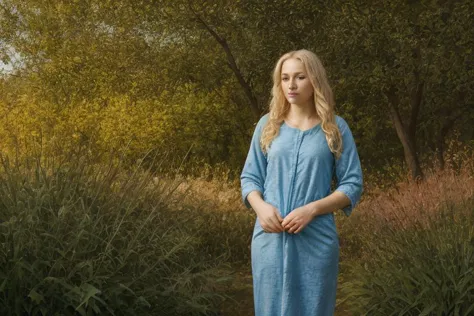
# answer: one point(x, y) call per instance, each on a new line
point(295, 83)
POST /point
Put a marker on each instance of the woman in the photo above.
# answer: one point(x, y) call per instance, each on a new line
point(295, 151)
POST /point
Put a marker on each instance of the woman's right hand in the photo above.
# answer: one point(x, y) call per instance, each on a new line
point(269, 217)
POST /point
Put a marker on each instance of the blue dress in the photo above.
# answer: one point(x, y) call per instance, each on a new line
point(296, 274)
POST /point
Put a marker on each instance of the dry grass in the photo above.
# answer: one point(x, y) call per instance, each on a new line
point(406, 202)
point(214, 195)
point(409, 201)
point(402, 202)
point(399, 205)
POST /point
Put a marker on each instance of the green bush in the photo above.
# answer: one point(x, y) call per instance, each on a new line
point(82, 239)
point(426, 268)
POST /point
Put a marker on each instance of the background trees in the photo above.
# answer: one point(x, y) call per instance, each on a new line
point(190, 78)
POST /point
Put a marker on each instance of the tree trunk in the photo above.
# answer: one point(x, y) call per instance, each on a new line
point(406, 136)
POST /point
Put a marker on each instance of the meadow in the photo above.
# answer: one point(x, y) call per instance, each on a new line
point(81, 238)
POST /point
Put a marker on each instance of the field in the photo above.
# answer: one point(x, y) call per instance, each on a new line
point(81, 238)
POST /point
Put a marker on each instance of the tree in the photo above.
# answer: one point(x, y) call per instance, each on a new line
point(397, 54)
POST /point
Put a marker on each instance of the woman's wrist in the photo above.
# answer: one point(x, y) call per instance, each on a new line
point(255, 199)
point(314, 209)
point(328, 204)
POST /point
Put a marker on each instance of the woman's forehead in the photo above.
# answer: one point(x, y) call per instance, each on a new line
point(292, 65)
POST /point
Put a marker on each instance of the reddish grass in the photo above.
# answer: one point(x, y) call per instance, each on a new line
point(411, 201)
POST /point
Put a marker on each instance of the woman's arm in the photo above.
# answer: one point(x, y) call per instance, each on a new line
point(348, 169)
point(252, 182)
point(297, 220)
point(254, 171)
point(269, 217)
point(329, 204)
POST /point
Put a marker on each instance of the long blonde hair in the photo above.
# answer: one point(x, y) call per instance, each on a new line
point(323, 101)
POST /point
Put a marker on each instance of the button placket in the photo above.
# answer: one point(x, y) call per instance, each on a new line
point(294, 167)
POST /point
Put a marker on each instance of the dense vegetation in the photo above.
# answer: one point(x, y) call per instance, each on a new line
point(92, 239)
point(124, 125)
point(191, 78)
point(78, 237)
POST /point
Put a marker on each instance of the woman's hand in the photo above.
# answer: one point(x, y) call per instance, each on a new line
point(269, 217)
point(297, 219)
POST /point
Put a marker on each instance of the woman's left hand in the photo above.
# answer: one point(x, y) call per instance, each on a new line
point(297, 219)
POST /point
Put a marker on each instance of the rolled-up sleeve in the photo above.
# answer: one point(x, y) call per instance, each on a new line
point(255, 167)
point(348, 168)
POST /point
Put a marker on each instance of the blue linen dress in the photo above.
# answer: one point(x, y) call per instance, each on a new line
point(296, 274)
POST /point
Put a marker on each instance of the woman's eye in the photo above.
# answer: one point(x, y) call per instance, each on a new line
point(301, 78)
point(284, 79)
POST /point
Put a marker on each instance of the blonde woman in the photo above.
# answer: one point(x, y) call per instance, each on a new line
point(295, 151)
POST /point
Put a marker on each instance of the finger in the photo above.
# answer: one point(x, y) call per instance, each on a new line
point(299, 229)
point(276, 225)
point(280, 219)
point(287, 220)
point(293, 228)
point(267, 226)
point(272, 230)
point(290, 222)
point(277, 228)
point(295, 225)
point(270, 226)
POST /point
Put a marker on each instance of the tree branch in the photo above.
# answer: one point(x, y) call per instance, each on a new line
point(231, 63)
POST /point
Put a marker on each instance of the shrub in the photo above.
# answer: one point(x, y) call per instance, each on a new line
point(426, 268)
point(78, 238)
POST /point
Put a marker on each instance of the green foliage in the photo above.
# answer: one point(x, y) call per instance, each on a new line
point(424, 269)
point(388, 49)
point(79, 238)
point(192, 128)
point(170, 66)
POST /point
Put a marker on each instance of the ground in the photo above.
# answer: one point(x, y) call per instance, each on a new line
point(241, 303)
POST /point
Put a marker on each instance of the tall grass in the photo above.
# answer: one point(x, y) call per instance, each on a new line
point(230, 223)
point(404, 204)
point(78, 238)
point(98, 239)
point(410, 250)
point(424, 269)
point(394, 242)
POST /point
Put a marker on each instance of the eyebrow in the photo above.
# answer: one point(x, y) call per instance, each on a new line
point(296, 73)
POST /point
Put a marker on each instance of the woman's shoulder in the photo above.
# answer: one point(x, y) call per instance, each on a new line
point(264, 118)
point(341, 123)
point(262, 121)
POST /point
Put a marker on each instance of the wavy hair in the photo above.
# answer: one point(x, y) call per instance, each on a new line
point(323, 101)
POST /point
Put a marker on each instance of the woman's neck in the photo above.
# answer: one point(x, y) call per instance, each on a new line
point(301, 114)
